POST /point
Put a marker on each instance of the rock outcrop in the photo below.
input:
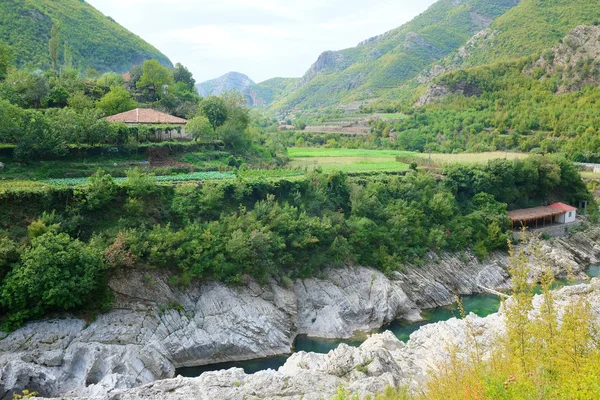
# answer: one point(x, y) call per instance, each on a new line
point(156, 328)
point(576, 61)
point(379, 362)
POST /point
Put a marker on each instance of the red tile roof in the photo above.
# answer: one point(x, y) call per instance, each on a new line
point(563, 207)
point(146, 116)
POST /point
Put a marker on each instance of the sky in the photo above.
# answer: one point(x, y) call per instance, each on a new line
point(260, 38)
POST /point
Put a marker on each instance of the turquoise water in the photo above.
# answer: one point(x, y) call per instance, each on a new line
point(481, 304)
point(594, 271)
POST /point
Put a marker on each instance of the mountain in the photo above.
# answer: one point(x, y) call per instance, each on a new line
point(529, 28)
point(91, 38)
point(229, 81)
point(264, 93)
point(380, 65)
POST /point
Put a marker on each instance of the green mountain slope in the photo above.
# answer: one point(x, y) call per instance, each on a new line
point(93, 39)
point(266, 92)
point(544, 103)
point(529, 28)
point(379, 65)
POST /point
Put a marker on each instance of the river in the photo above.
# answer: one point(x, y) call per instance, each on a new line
point(480, 304)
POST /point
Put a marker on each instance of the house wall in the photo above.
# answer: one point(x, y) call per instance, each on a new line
point(171, 135)
point(570, 217)
point(566, 218)
point(554, 230)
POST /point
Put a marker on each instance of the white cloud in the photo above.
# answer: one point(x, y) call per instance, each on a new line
point(261, 38)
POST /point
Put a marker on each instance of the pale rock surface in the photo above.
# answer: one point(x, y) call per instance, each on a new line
point(379, 362)
point(156, 328)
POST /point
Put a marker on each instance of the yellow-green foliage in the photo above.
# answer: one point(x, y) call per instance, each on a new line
point(25, 394)
point(537, 358)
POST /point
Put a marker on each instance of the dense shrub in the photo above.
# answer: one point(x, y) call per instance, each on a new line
point(225, 230)
point(56, 273)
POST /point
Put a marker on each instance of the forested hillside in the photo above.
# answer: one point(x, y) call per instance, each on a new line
point(382, 64)
point(545, 103)
point(87, 38)
point(529, 28)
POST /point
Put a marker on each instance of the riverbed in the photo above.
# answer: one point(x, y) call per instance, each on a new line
point(480, 304)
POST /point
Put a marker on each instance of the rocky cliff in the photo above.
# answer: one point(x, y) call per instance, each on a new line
point(381, 361)
point(576, 61)
point(573, 64)
point(156, 328)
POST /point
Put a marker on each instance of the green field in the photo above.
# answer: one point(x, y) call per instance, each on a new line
point(472, 157)
point(346, 160)
point(295, 152)
point(391, 116)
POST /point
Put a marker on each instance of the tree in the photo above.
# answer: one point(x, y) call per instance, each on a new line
point(54, 44)
point(6, 58)
point(182, 74)
point(116, 101)
point(79, 101)
point(136, 74)
point(58, 97)
point(200, 128)
point(179, 100)
point(215, 109)
point(154, 77)
point(100, 191)
point(10, 122)
point(56, 273)
point(111, 79)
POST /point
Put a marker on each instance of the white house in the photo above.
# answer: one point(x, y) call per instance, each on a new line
point(568, 213)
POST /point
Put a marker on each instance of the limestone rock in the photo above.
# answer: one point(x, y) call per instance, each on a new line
point(156, 328)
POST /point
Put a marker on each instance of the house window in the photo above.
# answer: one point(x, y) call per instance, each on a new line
point(570, 213)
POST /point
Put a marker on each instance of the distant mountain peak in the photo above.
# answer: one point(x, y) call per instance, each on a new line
point(230, 81)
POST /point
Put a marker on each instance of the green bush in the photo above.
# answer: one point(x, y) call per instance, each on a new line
point(56, 273)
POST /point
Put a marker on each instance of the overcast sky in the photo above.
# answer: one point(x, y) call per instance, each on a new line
point(260, 38)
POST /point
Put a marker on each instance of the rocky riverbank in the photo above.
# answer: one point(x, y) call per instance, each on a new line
point(381, 361)
point(156, 328)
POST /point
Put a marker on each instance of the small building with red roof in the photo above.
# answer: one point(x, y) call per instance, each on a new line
point(568, 213)
point(540, 217)
point(146, 116)
point(163, 126)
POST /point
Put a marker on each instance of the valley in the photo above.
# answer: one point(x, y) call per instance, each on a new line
point(415, 217)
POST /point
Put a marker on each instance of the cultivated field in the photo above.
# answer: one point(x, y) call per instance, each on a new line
point(472, 157)
point(346, 160)
point(360, 160)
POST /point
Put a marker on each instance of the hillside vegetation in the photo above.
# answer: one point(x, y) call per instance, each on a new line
point(386, 62)
point(542, 104)
point(89, 37)
point(530, 28)
point(56, 254)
